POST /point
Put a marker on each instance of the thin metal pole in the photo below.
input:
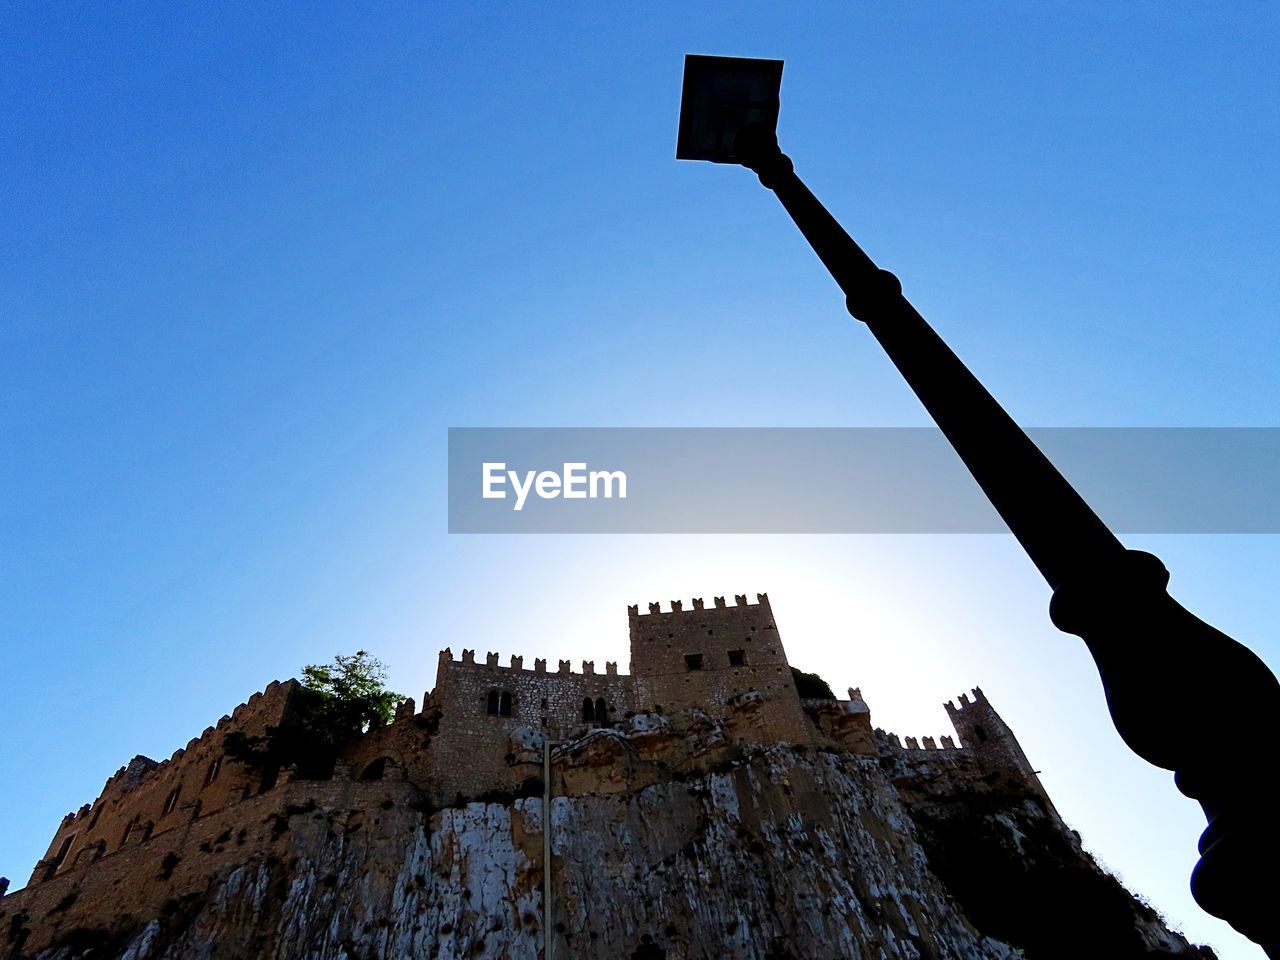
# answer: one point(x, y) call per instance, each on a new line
point(547, 940)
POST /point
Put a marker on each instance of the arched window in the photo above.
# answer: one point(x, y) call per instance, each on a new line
point(504, 704)
point(981, 734)
point(600, 710)
point(588, 711)
point(493, 703)
point(375, 770)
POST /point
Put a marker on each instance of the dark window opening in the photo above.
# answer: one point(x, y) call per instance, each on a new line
point(600, 710)
point(59, 857)
point(493, 703)
point(375, 770)
point(171, 801)
point(66, 846)
point(504, 704)
point(588, 710)
point(980, 734)
point(737, 658)
point(693, 661)
point(214, 767)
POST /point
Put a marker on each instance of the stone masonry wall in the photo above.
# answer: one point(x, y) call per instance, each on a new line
point(157, 878)
point(704, 658)
point(145, 798)
point(475, 749)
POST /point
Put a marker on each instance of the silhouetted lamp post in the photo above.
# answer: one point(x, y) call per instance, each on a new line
point(1182, 695)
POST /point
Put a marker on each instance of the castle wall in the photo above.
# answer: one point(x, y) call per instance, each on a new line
point(477, 750)
point(146, 798)
point(400, 750)
point(704, 658)
point(147, 879)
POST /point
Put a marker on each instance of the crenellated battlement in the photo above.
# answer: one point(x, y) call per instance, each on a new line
point(275, 690)
point(140, 767)
point(979, 699)
point(677, 606)
point(921, 744)
point(146, 797)
point(515, 665)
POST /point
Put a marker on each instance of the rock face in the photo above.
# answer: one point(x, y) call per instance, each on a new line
point(777, 853)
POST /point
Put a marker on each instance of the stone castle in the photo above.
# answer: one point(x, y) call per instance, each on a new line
point(710, 690)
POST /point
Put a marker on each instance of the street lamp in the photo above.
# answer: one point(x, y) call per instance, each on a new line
point(1182, 695)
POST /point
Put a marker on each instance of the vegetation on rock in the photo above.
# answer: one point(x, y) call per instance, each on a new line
point(336, 702)
point(810, 686)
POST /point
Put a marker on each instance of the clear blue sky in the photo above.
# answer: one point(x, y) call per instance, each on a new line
point(256, 259)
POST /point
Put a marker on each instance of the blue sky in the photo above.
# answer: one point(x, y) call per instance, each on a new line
point(256, 260)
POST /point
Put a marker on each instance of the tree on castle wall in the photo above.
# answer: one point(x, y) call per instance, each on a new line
point(335, 703)
point(810, 686)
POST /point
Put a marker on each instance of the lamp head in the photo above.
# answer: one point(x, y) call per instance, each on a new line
point(721, 96)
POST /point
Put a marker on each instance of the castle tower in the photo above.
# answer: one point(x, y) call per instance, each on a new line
point(724, 659)
point(983, 731)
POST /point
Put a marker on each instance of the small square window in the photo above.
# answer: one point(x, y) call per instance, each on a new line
point(693, 661)
point(737, 658)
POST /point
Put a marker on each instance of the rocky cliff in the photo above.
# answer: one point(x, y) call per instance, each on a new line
point(765, 854)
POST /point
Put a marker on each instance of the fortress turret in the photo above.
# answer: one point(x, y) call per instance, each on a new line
point(709, 658)
point(983, 731)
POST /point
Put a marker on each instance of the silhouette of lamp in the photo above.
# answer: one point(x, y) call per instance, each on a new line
point(1182, 695)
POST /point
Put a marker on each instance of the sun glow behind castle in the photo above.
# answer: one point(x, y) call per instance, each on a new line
point(575, 482)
